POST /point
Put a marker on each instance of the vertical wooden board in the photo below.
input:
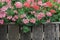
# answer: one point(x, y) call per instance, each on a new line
point(49, 31)
point(3, 32)
point(25, 36)
point(57, 32)
point(37, 32)
point(13, 32)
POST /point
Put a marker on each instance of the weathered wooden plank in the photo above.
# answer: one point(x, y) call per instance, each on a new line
point(49, 31)
point(37, 32)
point(25, 36)
point(3, 32)
point(13, 32)
point(57, 32)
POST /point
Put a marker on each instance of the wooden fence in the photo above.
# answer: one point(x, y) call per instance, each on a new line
point(47, 31)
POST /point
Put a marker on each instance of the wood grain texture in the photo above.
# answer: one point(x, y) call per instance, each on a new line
point(49, 31)
point(37, 32)
point(57, 32)
point(13, 32)
point(3, 32)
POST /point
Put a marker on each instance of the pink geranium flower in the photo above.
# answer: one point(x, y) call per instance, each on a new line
point(16, 16)
point(30, 1)
point(52, 11)
point(2, 0)
point(49, 14)
point(58, 1)
point(40, 3)
point(13, 19)
point(35, 6)
point(48, 4)
point(4, 8)
point(1, 21)
point(33, 12)
point(18, 5)
point(27, 4)
point(33, 20)
point(25, 21)
point(40, 15)
point(8, 1)
point(9, 17)
point(2, 14)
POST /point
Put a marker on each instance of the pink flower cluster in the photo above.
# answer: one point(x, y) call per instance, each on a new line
point(2, 14)
point(26, 21)
point(40, 16)
point(21, 10)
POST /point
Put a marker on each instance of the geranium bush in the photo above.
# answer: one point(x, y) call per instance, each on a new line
point(29, 12)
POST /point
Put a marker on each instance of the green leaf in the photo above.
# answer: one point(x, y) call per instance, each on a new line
point(1, 4)
point(18, 21)
point(10, 12)
point(6, 21)
point(25, 29)
point(21, 11)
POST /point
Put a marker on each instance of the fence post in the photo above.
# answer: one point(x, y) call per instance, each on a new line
point(13, 32)
point(3, 32)
point(49, 31)
point(37, 32)
point(57, 32)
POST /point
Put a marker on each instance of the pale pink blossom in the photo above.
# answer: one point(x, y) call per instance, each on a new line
point(2, 1)
point(58, 1)
point(9, 5)
point(33, 12)
point(40, 15)
point(13, 19)
point(4, 8)
point(33, 20)
point(49, 14)
point(23, 16)
point(18, 5)
point(44, 4)
point(40, 3)
point(9, 17)
point(25, 21)
point(1, 21)
point(2, 14)
point(8, 1)
point(30, 1)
